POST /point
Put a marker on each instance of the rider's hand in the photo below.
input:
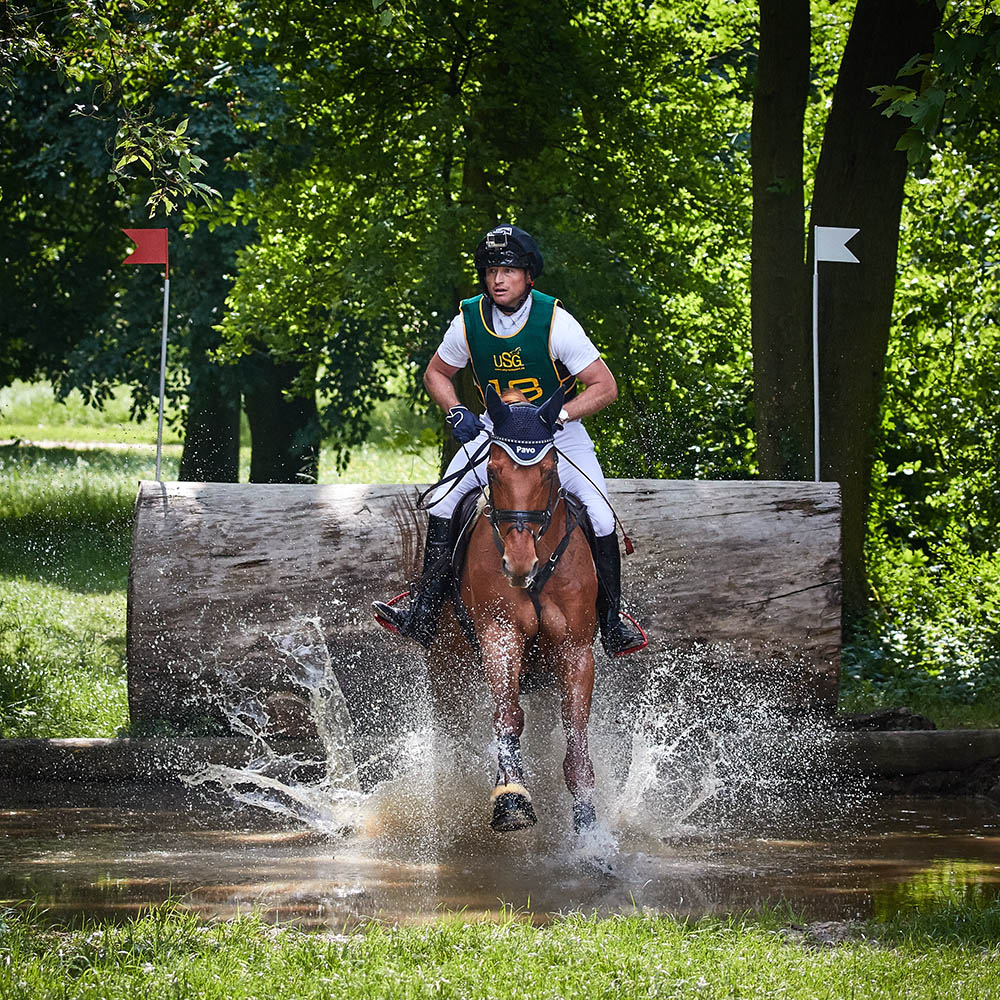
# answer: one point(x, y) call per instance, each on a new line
point(465, 425)
point(561, 420)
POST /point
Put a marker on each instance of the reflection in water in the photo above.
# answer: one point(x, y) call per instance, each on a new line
point(706, 804)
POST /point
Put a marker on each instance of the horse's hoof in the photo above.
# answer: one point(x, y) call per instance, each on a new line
point(512, 810)
point(584, 816)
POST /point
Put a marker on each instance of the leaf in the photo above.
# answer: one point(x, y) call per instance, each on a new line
point(182, 128)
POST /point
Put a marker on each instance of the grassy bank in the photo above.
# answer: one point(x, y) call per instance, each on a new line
point(65, 535)
point(948, 953)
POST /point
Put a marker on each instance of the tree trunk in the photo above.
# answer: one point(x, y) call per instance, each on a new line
point(779, 279)
point(212, 424)
point(740, 578)
point(859, 183)
point(284, 430)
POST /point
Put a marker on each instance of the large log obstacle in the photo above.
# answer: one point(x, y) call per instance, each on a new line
point(228, 582)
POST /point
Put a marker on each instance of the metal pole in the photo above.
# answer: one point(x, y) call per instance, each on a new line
point(815, 304)
point(163, 375)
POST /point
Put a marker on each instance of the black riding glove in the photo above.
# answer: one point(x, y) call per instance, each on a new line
point(465, 425)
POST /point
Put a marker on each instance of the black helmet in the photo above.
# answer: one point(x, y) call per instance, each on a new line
point(507, 246)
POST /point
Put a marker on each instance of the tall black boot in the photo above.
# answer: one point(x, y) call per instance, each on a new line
point(618, 635)
point(419, 619)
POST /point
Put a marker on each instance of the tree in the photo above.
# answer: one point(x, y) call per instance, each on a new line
point(859, 182)
point(615, 137)
point(105, 114)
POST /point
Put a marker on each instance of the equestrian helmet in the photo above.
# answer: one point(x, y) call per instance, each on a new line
point(507, 246)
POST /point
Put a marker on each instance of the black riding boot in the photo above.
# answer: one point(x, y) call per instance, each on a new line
point(618, 635)
point(419, 619)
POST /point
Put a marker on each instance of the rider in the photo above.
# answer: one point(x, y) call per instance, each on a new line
point(518, 338)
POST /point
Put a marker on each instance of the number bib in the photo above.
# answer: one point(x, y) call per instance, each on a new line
point(522, 361)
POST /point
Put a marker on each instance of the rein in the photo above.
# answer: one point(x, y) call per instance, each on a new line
point(454, 477)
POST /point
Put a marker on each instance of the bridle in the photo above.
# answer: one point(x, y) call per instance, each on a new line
point(522, 518)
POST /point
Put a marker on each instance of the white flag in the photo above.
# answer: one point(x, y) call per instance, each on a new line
point(831, 244)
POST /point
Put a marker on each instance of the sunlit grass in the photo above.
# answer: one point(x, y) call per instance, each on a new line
point(61, 660)
point(168, 953)
point(400, 449)
point(30, 412)
point(65, 539)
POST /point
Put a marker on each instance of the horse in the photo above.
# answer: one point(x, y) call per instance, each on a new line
point(529, 587)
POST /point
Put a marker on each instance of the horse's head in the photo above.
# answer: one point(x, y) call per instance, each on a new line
point(523, 478)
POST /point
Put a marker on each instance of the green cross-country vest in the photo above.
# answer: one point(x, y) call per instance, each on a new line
point(520, 361)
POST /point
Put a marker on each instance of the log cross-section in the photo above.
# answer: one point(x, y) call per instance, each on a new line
point(228, 583)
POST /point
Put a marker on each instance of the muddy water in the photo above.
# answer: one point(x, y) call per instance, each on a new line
point(110, 862)
point(707, 802)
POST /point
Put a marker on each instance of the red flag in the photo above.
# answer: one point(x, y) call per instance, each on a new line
point(150, 247)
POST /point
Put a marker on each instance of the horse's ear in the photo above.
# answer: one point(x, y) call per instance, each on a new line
point(495, 406)
point(548, 412)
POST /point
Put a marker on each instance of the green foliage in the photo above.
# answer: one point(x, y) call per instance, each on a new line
point(618, 137)
point(109, 53)
point(933, 542)
point(957, 95)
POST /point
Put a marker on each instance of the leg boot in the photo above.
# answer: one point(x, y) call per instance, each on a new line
point(619, 634)
point(419, 619)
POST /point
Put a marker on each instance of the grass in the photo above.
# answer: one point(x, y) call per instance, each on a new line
point(65, 537)
point(167, 953)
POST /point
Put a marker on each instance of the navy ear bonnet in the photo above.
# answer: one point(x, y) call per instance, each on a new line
point(524, 431)
point(522, 435)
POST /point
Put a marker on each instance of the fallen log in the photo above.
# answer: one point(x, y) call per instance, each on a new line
point(240, 596)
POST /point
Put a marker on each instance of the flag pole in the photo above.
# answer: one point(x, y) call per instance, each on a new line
point(152, 247)
point(829, 243)
point(815, 305)
point(163, 371)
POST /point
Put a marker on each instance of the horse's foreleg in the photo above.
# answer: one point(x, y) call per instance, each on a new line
point(576, 684)
point(512, 809)
point(502, 655)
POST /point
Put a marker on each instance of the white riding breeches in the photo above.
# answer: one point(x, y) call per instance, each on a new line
point(573, 441)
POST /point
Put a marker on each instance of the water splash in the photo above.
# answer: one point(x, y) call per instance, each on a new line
point(685, 744)
point(331, 803)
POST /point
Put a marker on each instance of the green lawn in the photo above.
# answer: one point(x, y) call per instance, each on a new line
point(65, 535)
point(950, 953)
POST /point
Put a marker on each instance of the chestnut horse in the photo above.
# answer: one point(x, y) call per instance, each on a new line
point(530, 588)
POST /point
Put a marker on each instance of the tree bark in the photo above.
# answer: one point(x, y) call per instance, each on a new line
point(284, 429)
point(859, 183)
point(212, 424)
point(779, 279)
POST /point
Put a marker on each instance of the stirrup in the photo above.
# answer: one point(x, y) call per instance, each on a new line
point(605, 637)
point(385, 622)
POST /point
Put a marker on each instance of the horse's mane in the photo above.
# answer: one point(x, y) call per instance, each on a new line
point(514, 396)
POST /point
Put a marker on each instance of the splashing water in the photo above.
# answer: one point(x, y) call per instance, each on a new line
point(685, 745)
point(333, 802)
